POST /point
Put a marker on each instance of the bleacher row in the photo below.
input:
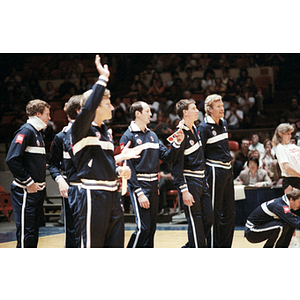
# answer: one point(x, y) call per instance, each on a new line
point(263, 80)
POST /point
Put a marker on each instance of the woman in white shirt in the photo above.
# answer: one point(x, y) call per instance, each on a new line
point(288, 156)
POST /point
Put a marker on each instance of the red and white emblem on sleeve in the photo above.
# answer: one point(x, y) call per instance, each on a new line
point(20, 138)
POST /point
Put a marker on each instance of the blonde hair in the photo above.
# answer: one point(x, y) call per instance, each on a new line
point(84, 97)
point(293, 194)
point(209, 102)
point(281, 129)
point(250, 153)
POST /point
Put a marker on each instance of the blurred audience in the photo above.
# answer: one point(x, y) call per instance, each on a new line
point(253, 176)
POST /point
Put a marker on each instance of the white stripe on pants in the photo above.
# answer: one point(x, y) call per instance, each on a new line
point(23, 219)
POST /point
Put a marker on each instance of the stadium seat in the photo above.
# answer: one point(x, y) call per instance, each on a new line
point(174, 195)
point(5, 203)
point(233, 145)
point(59, 119)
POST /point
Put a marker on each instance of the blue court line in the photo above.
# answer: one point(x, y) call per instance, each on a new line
point(43, 231)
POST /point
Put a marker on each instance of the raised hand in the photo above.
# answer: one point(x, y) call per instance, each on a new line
point(102, 70)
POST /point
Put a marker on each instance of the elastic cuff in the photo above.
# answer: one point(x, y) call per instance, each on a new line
point(30, 182)
point(183, 188)
point(58, 178)
point(175, 144)
point(102, 80)
point(26, 182)
point(139, 192)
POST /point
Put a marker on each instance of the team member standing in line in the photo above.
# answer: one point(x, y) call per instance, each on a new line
point(190, 180)
point(102, 216)
point(143, 185)
point(274, 222)
point(73, 108)
point(57, 171)
point(58, 161)
point(26, 160)
point(214, 136)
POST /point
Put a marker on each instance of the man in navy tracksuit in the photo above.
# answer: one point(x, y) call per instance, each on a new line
point(214, 136)
point(190, 180)
point(143, 185)
point(274, 222)
point(26, 160)
point(73, 108)
point(59, 159)
point(102, 217)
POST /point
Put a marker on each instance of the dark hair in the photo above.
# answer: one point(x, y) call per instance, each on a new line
point(243, 69)
point(253, 159)
point(255, 134)
point(183, 104)
point(136, 106)
point(73, 105)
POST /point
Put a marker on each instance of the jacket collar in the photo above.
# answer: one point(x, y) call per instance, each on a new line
point(188, 129)
point(286, 200)
point(37, 123)
point(95, 124)
point(67, 128)
point(210, 120)
point(134, 128)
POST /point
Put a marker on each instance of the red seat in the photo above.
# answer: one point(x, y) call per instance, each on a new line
point(5, 203)
point(59, 119)
point(233, 146)
point(174, 195)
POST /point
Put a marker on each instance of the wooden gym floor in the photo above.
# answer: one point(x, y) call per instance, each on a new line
point(163, 239)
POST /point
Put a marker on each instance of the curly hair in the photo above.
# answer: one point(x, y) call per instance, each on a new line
point(35, 106)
